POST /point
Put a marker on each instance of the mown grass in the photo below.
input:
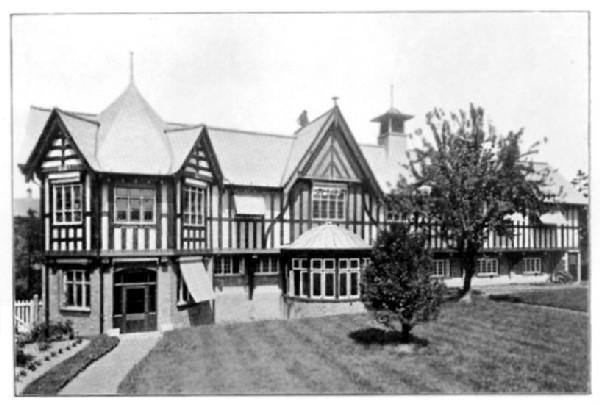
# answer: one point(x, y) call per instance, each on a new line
point(51, 382)
point(487, 347)
point(574, 298)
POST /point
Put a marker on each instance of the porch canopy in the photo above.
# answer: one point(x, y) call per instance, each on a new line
point(328, 237)
point(197, 280)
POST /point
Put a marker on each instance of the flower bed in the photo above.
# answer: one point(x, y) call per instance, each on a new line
point(52, 381)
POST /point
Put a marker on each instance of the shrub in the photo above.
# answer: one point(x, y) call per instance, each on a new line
point(47, 358)
point(43, 346)
point(397, 285)
point(53, 353)
point(22, 358)
point(52, 331)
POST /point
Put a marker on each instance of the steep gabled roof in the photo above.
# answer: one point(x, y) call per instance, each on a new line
point(250, 158)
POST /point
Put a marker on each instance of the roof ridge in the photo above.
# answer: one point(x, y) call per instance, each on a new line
point(185, 128)
point(75, 116)
point(36, 107)
point(242, 131)
point(313, 120)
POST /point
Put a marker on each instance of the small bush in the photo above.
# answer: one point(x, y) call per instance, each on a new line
point(32, 366)
point(23, 358)
point(47, 358)
point(23, 373)
point(43, 346)
point(52, 353)
point(52, 331)
point(60, 351)
point(397, 285)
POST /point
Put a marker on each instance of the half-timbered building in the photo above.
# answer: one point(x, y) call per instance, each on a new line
point(150, 224)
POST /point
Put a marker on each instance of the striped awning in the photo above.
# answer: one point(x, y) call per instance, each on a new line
point(197, 279)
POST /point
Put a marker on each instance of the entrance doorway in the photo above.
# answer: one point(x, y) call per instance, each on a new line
point(134, 300)
point(573, 264)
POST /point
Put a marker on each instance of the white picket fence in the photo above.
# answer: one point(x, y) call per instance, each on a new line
point(27, 312)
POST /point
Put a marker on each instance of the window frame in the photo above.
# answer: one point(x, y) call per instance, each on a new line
point(537, 265)
point(272, 265)
point(200, 200)
point(63, 210)
point(234, 270)
point(325, 204)
point(485, 261)
point(86, 290)
point(128, 211)
point(445, 268)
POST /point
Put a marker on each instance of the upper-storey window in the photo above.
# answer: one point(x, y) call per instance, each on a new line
point(134, 205)
point(193, 205)
point(67, 203)
point(329, 202)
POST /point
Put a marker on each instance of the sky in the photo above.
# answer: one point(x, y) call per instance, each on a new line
point(259, 71)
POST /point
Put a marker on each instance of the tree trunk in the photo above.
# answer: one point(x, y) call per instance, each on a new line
point(469, 265)
point(406, 336)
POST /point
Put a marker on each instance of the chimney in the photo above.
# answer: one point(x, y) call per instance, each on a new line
point(302, 119)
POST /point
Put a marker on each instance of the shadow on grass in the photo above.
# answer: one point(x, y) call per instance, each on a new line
point(506, 298)
point(377, 336)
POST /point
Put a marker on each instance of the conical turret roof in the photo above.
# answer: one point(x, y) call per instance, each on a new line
point(131, 137)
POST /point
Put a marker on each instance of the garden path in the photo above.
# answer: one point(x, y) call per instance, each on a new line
point(103, 376)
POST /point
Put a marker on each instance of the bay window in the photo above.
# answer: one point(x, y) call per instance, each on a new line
point(76, 289)
point(329, 202)
point(135, 205)
point(67, 203)
point(319, 278)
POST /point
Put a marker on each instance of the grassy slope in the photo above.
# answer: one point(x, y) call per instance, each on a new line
point(491, 346)
point(51, 382)
point(568, 298)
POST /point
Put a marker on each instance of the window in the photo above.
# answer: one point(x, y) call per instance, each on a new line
point(67, 203)
point(441, 268)
point(487, 267)
point(225, 265)
point(134, 205)
point(349, 277)
point(533, 265)
point(76, 289)
point(298, 276)
point(329, 203)
point(268, 265)
point(193, 205)
point(184, 294)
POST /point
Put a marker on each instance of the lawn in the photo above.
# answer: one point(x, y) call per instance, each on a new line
point(488, 347)
point(574, 298)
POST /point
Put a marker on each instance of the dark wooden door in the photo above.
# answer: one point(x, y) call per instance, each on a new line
point(573, 264)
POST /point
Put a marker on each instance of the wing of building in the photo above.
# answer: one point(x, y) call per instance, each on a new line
point(150, 224)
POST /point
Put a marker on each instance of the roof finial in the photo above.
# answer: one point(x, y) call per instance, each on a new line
point(335, 99)
point(131, 67)
point(391, 96)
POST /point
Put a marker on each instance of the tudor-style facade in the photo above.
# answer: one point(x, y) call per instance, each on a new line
point(154, 225)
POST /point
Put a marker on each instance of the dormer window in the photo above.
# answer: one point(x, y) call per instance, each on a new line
point(134, 205)
point(193, 205)
point(67, 204)
point(329, 202)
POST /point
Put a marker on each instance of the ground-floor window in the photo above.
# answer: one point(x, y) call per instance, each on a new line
point(268, 265)
point(441, 268)
point(76, 289)
point(487, 267)
point(533, 265)
point(226, 265)
point(324, 278)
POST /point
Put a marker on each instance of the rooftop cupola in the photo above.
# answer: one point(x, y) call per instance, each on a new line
point(391, 131)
